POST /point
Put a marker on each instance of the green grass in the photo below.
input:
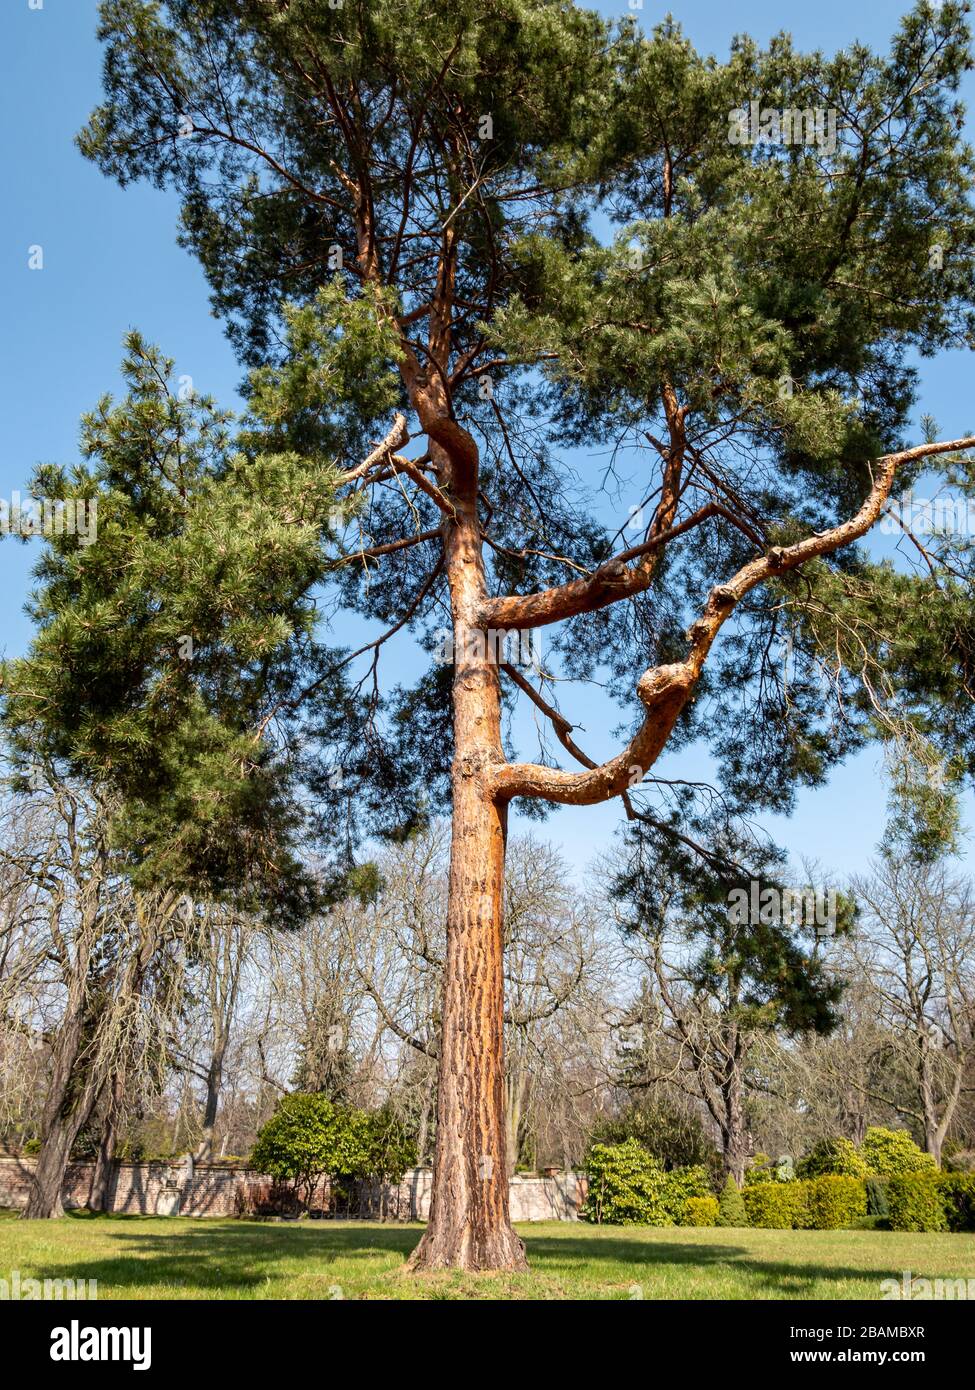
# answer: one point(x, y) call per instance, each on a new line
point(152, 1257)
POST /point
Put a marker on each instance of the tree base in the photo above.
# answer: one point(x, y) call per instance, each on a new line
point(458, 1247)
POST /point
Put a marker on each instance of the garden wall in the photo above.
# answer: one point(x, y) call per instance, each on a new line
point(223, 1189)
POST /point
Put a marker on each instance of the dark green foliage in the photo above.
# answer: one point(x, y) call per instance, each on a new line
point(309, 1137)
point(877, 1198)
point(731, 1205)
point(675, 1138)
point(759, 264)
point(958, 1191)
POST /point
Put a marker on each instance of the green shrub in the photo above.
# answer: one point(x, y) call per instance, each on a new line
point(674, 1137)
point(777, 1206)
point(958, 1192)
point(834, 1158)
point(833, 1203)
point(877, 1198)
point(680, 1184)
point(892, 1153)
point(917, 1202)
point(700, 1211)
point(731, 1206)
point(626, 1186)
point(308, 1137)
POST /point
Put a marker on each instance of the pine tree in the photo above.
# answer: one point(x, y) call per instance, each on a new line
point(731, 1205)
point(420, 191)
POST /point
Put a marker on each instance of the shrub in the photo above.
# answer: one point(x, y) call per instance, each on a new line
point(892, 1153)
point(958, 1192)
point(700, 1211)
point(834, 1158)
point(916, 1202)
point(626, 1186)
point(675, 1138)
point(778, 1206)
point(731, 1206)
point(833, 1202)
point(877, 1198)
point(308, 1136)
point(679, 1185)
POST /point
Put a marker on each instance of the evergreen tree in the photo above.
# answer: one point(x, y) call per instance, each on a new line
point(416, 188)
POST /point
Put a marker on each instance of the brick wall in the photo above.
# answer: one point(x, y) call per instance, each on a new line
point(220, 1189)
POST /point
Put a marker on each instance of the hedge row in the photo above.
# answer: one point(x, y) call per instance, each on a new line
point(931, 1202)
point(814, 1204)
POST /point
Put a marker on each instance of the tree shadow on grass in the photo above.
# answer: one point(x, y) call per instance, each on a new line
point(244, 1256)
point(231, 1256)
point(759, 1278)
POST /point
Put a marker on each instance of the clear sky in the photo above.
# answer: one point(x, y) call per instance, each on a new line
point(110, 262)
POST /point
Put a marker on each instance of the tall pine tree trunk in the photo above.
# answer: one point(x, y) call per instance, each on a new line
point(469, 1226)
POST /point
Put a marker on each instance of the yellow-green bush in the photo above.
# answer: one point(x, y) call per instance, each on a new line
point(835, 1157)
point(892, 1153)
point(833, 1202)
point(917, 1202)
point(700, 1211)
point(775, 1206)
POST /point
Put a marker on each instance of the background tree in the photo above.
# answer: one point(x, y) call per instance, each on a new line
point(719, 987)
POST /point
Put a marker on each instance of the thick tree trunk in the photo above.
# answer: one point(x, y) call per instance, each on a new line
point(469, 1225)
point(65, 1108)
point(45, 1194)
point(101, 1187)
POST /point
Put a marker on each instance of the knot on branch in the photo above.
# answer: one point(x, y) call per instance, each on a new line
point(660, 682)
point(776, 558)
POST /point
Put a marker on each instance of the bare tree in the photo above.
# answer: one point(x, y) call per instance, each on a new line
point(917, 948)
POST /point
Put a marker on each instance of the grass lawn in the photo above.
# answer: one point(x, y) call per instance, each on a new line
point(158, 1257)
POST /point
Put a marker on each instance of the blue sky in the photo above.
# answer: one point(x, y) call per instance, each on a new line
point(111, 263)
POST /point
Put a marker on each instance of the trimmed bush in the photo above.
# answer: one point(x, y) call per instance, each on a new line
point(626, 1186)
point(700, 1211)
point(680, 1184)
point(833, 1203)
point(776, 1206)
point(834, 1158)
point(917, 1202)
point(892, 1153)
point(731, 1206)
point(958, 1192)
